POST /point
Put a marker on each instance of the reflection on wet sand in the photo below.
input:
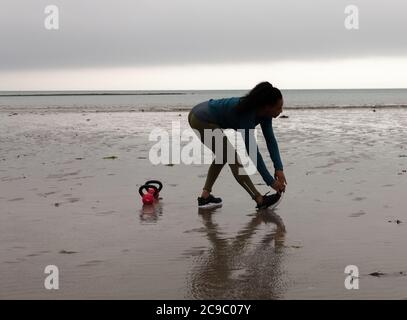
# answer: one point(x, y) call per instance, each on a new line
point(151, 213)
point(240, 268)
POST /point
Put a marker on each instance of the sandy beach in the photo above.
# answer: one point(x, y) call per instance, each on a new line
point(69, 197)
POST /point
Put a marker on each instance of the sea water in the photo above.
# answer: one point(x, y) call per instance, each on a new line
point(185, 99)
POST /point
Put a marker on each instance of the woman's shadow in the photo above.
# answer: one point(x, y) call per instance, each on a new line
point(239, 268)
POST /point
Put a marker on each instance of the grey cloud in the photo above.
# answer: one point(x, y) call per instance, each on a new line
point(96, 33)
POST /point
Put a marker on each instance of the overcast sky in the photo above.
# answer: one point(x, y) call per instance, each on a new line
point(202, 44)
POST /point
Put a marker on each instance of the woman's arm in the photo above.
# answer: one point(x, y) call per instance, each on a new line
point(272, 145)
point(249, 140)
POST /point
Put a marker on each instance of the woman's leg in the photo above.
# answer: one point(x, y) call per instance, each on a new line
point(217, 165)
point(214, 168)
point(244, 180)
point(213, 173)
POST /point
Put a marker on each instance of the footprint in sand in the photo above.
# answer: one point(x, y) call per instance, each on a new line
point(45, 194)
point(69, 200)
point(9, 179)
point(12, 262)
point(379, 274)
point(104, 213)
point(18, 260)
point(91, 263)
point(84, 177)
point(36, 254)
point(16, 199)
point(357, 214)
point(62, 175)
point(67, 252)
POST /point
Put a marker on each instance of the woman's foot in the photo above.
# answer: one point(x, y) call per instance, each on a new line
point(270, 201)
point(209, 202)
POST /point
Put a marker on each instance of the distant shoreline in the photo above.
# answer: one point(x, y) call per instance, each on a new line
point(27, 93)
point(75, 93)
point(16, 110)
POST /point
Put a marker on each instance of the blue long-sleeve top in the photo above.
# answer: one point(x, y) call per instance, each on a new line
point(223, 113)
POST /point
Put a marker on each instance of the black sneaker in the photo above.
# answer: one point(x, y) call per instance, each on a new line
point(209, 202)
point(270, 201)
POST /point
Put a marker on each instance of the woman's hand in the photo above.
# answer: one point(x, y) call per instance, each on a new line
point(280, 177)
point(278, 186)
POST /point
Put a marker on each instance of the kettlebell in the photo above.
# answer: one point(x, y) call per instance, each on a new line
point(157, 184)
point(151, 194)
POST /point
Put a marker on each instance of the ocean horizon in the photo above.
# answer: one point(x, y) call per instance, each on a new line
point(178, 100)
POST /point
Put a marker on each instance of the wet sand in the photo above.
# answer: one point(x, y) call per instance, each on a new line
point(62, 203)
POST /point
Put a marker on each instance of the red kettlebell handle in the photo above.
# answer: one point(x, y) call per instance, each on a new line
point(146, 187)
point(158, 183)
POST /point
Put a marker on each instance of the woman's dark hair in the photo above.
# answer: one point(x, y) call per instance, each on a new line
point(261, 95)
